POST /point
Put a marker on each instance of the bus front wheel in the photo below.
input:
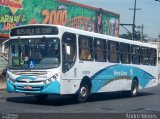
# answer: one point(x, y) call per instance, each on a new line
point(83, 93)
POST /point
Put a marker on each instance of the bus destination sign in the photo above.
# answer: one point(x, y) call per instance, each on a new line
point(34, 30)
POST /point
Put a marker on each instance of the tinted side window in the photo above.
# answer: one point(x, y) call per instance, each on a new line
point(100, 49)
point(145, 55)
point(125, 53)
point(153, 56)
point(135, 52)
point(85, 48)
point(113, 51)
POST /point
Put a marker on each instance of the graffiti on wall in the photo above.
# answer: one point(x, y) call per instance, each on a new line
point(58, 13)
point(83, 23)
point(13, 5)
point(57, 17)
point(9, 21)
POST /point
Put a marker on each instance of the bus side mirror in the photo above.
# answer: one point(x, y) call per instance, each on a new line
point(4, 45)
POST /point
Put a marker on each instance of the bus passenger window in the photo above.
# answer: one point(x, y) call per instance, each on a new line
point(153, 56)
point(85, 48)
point(135, 52)
point(113, 51)
point(100, 51)
point(125, 53)
point(145, 55)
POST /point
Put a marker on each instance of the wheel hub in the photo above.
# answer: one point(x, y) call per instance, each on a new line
point(83, 91)
point(135, 90)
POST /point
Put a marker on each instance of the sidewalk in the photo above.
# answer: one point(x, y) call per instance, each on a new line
point(2, 85)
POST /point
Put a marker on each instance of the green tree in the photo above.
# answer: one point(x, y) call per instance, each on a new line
point(137, 36)
point(127, 35)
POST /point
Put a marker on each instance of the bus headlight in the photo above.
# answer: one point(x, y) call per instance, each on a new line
point(10, 79)
point(49, 80)
point(53, 78)
point(45, 81)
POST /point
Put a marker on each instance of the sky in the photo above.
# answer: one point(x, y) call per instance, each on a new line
point(149, 15)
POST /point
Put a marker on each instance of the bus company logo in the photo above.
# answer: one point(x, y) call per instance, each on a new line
point(26, 80)
point(14, 5)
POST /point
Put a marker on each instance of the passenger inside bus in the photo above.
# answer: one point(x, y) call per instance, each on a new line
point(85, 51)
point(113, 53)
point(100, 56)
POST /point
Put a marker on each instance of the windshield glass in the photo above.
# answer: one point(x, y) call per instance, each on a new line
point(34, 53)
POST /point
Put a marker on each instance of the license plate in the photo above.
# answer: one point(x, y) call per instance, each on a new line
point(28, 87)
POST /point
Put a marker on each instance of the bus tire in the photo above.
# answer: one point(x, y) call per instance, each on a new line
point(134, 88)
point(133, 91)
point(41, 97)
point(83, 93)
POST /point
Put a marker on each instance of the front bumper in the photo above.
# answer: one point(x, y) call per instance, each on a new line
point(50, 88)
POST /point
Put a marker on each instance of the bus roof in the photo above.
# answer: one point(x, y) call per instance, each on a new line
point(63, 29)
point(103, 36)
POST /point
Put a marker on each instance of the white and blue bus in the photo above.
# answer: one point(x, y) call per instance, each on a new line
point(53, 59)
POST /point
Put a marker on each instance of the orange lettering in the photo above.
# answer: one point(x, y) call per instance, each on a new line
point(52, 17)
point(64, 17)
point(46, 14)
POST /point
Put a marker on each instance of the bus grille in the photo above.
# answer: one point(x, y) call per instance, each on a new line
point(29, 81)
point(29, 73)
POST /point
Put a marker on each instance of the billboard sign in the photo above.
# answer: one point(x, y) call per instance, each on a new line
point(60, 12)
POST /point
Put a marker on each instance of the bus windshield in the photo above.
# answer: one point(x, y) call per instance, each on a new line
point(35, 53)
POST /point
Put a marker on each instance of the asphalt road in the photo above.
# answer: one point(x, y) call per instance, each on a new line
point(147, 101)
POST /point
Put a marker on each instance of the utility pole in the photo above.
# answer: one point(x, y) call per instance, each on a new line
point(141, 31)
point(134, 16)
point(142, 27)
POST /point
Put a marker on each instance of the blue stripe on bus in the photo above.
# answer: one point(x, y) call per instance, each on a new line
point(108, 74)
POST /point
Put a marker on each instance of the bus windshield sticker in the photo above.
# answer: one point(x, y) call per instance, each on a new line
point(32, 64)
